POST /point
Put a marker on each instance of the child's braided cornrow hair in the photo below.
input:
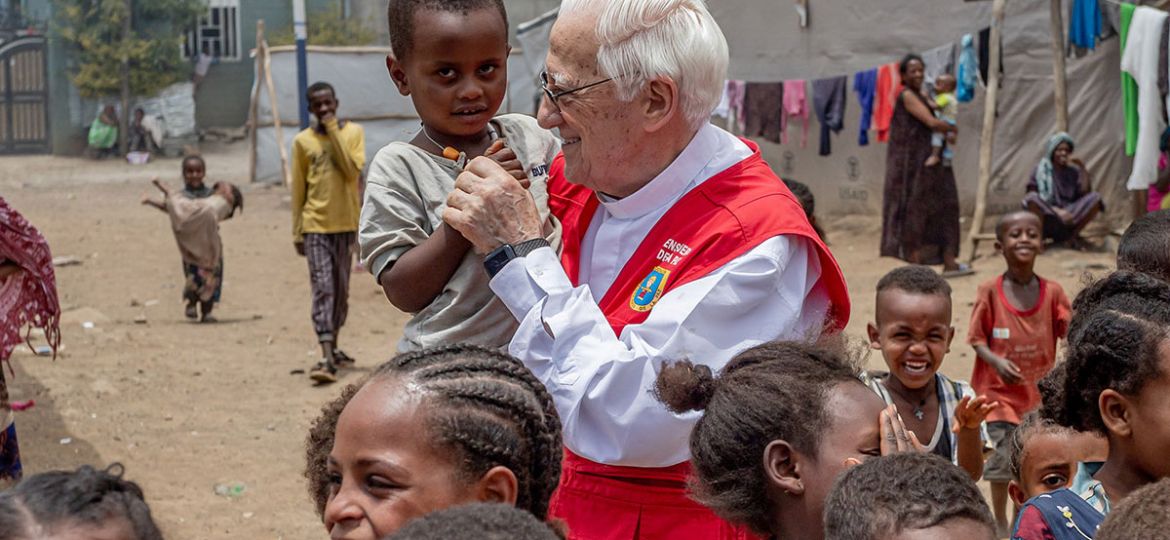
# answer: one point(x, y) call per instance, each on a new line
point(486, 406)
point(1113, 340)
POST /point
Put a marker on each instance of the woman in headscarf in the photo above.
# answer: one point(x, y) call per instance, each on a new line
point(1059, 192)
point(920, 206)
point(28, 299)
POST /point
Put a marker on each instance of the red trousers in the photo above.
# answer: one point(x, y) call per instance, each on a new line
point(607, 502)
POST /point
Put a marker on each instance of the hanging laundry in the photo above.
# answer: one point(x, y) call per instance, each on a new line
point(1085, 24)
point(1140, 60)
point(829, 104)
point(889, 87)
point(795, 106)
point(985, 55)
point(968, 69)
point(1110, 19)
point(865, 85)
point(1163, 58)
point(735, 90)
point(1129, 89)
point(723, 109)
point(938, 61)
point(762, 104)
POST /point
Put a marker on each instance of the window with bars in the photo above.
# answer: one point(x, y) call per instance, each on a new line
point(218, 32)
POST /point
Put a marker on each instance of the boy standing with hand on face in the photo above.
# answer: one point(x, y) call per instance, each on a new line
point(327, 160)
point(1018, 318)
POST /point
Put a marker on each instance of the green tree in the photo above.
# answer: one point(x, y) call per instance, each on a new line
point(327, 27)
point(94, 28)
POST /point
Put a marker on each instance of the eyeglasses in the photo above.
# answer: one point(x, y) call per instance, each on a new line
point(553, 97)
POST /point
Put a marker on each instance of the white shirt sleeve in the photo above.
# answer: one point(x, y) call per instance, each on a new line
point(602, 383)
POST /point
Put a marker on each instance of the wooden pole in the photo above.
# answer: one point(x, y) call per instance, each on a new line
point(124, 74)
point(988, 138)
point(276, 116)
point(1059, 78)
point(254, 104)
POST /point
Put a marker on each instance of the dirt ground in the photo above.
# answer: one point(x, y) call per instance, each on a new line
point(186, 407)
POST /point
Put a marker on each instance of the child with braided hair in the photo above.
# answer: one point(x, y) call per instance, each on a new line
point(429, 430)
point(477, 521)
point(86, 503)
point(780, 423)
point(1116, 382)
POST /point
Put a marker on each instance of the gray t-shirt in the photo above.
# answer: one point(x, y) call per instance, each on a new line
point(406, 192)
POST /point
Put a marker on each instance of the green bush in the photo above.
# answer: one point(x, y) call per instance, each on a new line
point(326, 27)
point(94, 29)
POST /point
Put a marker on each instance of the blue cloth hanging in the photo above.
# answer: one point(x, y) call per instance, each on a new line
point(865, 85)
point(1085, 24)
point(968, 74)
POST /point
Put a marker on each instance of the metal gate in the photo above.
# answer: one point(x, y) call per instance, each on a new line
point(24, 97)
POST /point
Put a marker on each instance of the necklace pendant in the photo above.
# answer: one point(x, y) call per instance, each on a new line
point(918, 413)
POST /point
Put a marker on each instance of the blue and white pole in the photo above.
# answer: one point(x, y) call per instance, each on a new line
point(302, 35)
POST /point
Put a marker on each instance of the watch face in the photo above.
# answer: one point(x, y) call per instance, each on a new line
point(498, 259)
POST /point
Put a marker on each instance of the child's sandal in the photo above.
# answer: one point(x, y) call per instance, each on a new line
point(323, 373)
point(340, 358)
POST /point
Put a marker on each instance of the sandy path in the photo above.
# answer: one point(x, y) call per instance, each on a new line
point(187, 406)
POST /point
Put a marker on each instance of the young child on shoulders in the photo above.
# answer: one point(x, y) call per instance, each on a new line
point(86, 503)
point(1015, 324)
point(1043, 456)
point(1145, 246)
point(445, 426)
point(1115, 381)
point(1143, 515)
point(946, 109)
point(912, 329)
point(195, 213)
point(780, 423)
point(907, 496)
point(456, 74)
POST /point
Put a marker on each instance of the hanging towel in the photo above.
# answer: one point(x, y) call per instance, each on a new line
point(1129, 90)
point(723, 109)
point(1085, 24)
point(968, 69)
point(762, 109)
point(889, 86)
point(795, 106)
point(865, 85)
point(829, 104)
point(1140, 60)
point(735, 91)
point(985, 55)
point(938, 61)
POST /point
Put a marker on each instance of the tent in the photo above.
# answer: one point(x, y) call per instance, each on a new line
point(767, 43)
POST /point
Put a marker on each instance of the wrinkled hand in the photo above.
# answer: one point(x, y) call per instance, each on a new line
point(895, 437)
point(970, 413)
point(1008, 371)
point(506, 158)
point(490, 207)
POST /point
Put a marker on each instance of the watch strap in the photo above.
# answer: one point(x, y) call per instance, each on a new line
point(528, 246)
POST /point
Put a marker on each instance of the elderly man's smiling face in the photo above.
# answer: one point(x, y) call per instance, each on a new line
point(602, 134)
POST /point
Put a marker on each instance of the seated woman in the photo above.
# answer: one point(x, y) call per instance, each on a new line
point(1059, 192)
point(103, 134)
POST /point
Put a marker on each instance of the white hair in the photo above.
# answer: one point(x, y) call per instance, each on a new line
point(645, 39)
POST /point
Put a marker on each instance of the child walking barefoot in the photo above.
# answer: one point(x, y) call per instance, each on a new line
point(429, 430)
point(1017, 320)
point(195, 222)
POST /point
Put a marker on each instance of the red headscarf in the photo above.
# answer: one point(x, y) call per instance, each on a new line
point(29, 297)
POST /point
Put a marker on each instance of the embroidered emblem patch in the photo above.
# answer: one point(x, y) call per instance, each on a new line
point(650, 290)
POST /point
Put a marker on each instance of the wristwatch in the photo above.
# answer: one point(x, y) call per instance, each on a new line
point(501, 256)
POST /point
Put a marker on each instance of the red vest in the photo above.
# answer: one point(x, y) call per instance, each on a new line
point(721, 219)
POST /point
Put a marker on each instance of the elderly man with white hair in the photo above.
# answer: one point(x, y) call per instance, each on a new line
point(679, 243)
